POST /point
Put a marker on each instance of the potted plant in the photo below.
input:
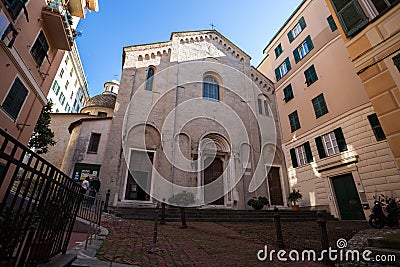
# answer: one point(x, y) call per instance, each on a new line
point(258, 203)
point(295, 196)
point(182, 200)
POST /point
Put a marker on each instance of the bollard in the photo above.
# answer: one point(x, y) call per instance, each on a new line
point(183, 218)
point(278, 228)
point(107, 199)
point(162, 220)
point(154, 248)
point(324, 236)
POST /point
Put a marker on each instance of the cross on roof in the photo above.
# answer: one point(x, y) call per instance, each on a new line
point(212, 26)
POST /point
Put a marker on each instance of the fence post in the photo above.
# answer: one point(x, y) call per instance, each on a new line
point(183, 218)
point(154, 248)
point(106, 201)
point(324, 236)
point(162, 221)
point(278, 228)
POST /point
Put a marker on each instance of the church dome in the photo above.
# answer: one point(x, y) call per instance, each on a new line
point(103, 100)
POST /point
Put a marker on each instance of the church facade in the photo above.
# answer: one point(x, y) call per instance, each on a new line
point(193, 116)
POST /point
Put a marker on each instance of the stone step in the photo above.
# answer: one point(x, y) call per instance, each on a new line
point(193, 214)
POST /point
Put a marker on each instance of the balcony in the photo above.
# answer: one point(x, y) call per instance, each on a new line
point(58, 20)
point(77, 8)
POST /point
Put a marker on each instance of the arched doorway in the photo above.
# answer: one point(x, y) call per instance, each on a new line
point(213, 174)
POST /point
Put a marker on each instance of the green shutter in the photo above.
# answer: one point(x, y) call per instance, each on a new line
point(320, 147)
point(309, 43)
point(288, 92)
point(294, 159)
point(296, 55)
point(376, 127)
point(311, 75)
point(290, 36)
point(302, 23)
point(287, 61)
point(331, 23)
point(340, 139)
point(350, 15)
point(307, 148)
point(277, 74)
point(278, 50)
point(396, 61)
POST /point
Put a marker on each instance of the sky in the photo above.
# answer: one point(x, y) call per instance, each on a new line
point(249, 24)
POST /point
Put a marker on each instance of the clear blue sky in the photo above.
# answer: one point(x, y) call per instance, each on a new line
point(249, 24)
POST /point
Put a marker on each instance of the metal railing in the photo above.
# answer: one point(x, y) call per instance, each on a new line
point(38, 206)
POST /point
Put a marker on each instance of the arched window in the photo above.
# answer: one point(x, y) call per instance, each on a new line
point(150, 78)
point(210, 88)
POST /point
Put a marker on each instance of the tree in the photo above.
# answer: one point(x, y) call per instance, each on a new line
point(43, 136)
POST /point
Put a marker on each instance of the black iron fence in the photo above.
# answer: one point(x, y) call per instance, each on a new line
point(38, 206)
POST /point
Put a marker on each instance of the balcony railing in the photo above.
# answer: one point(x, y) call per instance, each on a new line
point(58, 25)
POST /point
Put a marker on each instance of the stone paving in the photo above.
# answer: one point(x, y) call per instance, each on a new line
point(212, 244)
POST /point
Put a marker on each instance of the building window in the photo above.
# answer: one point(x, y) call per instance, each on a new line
point(210, 88)
point(376, 127)
point(56, 87)
point(301, 155)
point(62, 99)
point(310, 75)
point(278, 50)
point(72, 95)
point(319, 105)
point(15, 98)
point(350, 15)
point(288, 92)
point(150, 78)
point(260, 106)
point(102, 114)
point(303, 49)
point(61, 72)
point(297, 29)
point(382, 5)
point(294, 121)
point(66, 60)
point(284, 68)
point(266, 107)
point(66, 85)
point(396, 61)
point(94, 143)
point(75, 83)
point(39, 49)
point(331, 143)
point(67, 108)
point(57, 110)
point(263, 107)
point(331, 23)
point(15, 7)
point(71, 72)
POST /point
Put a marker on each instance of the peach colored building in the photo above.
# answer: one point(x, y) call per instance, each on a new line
point(372, 39)
point(34, 37)
point(336, 152)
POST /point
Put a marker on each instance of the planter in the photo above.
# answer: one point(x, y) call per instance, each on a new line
point(295, 207)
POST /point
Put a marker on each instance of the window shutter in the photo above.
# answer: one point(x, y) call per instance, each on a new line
point(340, 139)
point(290, 36)
point(307, 148)
point(294, 159)
point(296, 55)
point(288, 92)
point(287, 61)
point(332, 23)
point(15, 98)
point(396, 61)
point(278, 50)
point(350, 15)
point(320, 147)
point(310, 45)
point(302, 23)
point(277, 74)
point(308, 76)
point(376, 127)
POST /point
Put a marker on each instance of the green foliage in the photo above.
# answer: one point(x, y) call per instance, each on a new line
point(43, 136)
point(295, 196)
point(258, 203)
point(182, 199)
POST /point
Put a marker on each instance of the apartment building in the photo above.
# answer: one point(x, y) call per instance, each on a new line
point(336, 151)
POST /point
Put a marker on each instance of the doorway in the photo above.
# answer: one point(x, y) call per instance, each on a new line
point(347, 197)
point(275, 187)
point(211, 174)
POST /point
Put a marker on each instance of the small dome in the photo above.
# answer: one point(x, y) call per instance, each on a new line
point(103, 100)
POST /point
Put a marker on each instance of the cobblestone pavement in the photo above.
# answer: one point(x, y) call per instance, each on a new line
point(213, 244)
